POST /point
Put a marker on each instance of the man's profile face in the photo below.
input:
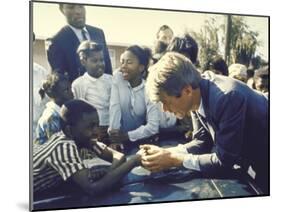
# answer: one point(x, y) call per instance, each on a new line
point(180, 106)
point(75, 15)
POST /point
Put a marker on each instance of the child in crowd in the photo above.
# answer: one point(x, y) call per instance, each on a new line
point(132, 116)
point(58, 162)
point(57, 87)
point(94, 86)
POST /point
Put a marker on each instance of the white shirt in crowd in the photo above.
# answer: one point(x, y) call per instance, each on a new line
point(131, 111)
point(78, 33)
point(96, 92)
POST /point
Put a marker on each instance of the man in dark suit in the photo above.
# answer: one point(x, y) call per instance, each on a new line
point(62, 54)
point(230, 121)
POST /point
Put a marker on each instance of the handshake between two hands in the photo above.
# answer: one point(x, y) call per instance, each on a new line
point(154, 158)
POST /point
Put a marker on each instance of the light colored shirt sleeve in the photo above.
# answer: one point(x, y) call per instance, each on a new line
point(152, 126)
point(77, 89)
point(114, 108)
point(190, 161)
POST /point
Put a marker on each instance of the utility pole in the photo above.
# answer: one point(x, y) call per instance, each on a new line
point(227, 39)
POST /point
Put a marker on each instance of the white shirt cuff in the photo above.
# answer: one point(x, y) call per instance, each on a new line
point(191, 161)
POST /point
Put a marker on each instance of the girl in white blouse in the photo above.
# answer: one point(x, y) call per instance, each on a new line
point(132, 116)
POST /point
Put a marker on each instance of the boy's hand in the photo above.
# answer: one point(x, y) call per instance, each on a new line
point(150, 149)
point(102, 134)
point(139, 155)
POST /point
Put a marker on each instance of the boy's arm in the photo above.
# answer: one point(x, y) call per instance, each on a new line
point(109, 180)
point(108, 154)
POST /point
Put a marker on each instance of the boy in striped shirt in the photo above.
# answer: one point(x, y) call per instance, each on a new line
point(58, 160)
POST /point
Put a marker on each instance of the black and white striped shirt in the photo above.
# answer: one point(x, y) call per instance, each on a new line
point(54, 162)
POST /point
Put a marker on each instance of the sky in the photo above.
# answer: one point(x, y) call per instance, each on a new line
point(136, 26)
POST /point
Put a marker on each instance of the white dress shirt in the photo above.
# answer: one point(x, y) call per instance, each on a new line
point(131, 111)
point(78, 33)
point(95, 91)
point(191, 161)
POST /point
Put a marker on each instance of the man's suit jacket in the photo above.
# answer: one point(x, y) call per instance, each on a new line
point(239, 118)
point(62, 54)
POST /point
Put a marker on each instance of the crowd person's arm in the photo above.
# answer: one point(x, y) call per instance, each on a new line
point(152, 124)
point(114, 107)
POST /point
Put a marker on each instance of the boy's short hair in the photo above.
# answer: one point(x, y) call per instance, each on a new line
point(87, 47)
point(73, 110)
point(171, 74)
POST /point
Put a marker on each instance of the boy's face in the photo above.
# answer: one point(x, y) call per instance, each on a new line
point(94, 64)
point(86, 129)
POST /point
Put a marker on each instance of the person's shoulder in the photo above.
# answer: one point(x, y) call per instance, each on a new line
point(79, 81)
point(94, 28)
point(107, 77)
point(61, 34)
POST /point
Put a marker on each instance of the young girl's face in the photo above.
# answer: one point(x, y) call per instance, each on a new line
point(94, 64)
point(63, 91)
point(130, 66)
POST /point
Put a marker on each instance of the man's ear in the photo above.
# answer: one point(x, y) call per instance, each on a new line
point(187, 90)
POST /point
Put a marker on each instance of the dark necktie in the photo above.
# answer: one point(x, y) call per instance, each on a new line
point(202, 121)
point(83, 31)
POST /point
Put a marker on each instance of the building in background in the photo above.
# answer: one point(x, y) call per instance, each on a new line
point(40, 55)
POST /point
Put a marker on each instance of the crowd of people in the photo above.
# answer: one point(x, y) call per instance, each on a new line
point(92, 111)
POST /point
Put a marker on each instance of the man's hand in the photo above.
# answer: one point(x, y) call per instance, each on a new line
point(157, 159)
point(150, 149)
point(118, 137)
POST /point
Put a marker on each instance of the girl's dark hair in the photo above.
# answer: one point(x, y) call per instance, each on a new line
point(185, 45)
point(50, 84)
point(142, 53)
point(218, 63)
